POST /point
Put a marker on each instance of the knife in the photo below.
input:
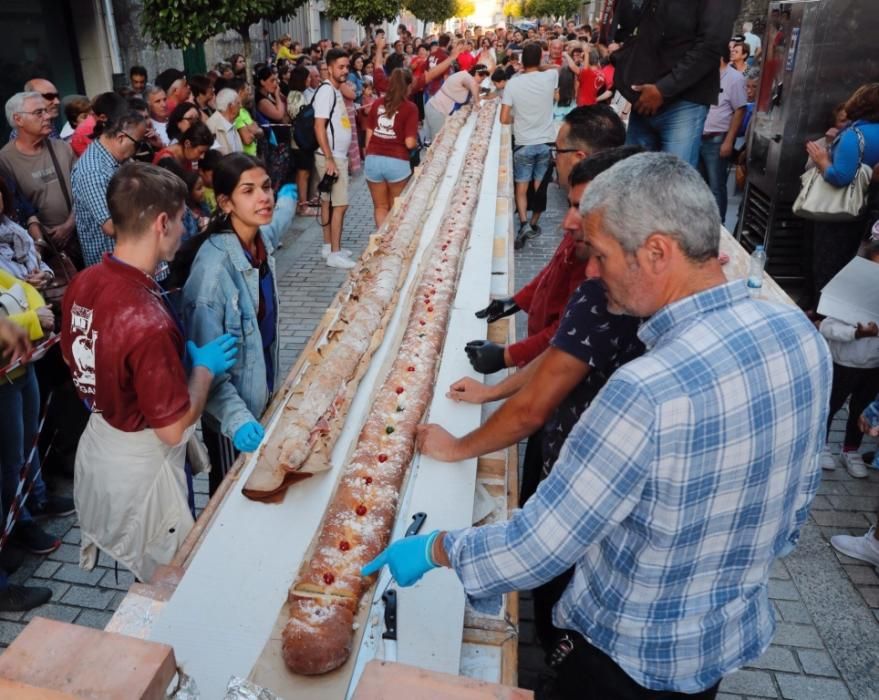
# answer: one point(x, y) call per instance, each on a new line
point(389, 597)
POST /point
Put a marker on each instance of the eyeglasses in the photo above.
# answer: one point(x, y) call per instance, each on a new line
point(555, 150)
point(38, 113)
point(50, 96)
point(131, 138)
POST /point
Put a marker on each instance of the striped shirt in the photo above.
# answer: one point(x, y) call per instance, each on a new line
point(89, 180)
point(690, 472)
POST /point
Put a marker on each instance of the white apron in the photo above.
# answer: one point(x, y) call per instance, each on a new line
point(130, 494)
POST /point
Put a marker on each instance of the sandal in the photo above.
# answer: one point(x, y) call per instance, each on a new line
point(305, 209)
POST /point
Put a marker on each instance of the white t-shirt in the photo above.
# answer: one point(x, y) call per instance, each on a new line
point(531, 97)
point(161, 128)
point(339, 126)
point(753, 41)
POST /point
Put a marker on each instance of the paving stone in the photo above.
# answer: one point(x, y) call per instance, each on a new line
point(11, 616)
point(863, 503)
point(831, 487)
point(54, 611)
point(9, 631)
point(46, 569)
point(68, 553)
point(793, 635)
point(58, 527)
point(817, 663)
point(778, 571)
point(833, 518)
point(870, 594)
point(26, 570)
point(811, 688)
point(758, 683)
point(783, 590)
point(94, 618)
point(72, 536)
point(125, 579)
point(727, 696)
point(793, 611)
point(862, 575)
point(73, 574)
point(88, 597)
point(776, 659)
point(821, 503)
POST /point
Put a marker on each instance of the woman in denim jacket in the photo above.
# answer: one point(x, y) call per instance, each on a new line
point(231, 289)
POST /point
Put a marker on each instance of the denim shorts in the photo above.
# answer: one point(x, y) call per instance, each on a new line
point(530, 163)
point(385, 169)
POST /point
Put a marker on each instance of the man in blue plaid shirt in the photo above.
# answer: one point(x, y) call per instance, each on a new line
point(690, 473)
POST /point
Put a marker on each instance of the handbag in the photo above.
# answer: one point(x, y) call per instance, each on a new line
point(63, 270)
point(820, 201)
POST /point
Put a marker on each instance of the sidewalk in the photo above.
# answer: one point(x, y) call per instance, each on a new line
point(827, 605)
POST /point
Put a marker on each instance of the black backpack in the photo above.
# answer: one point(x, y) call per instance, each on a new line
point(303, 124)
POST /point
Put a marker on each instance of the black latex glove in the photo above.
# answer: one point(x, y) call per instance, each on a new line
point(498, 308)
point(485, 356)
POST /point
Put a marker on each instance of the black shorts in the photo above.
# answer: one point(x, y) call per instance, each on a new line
point(302, 160)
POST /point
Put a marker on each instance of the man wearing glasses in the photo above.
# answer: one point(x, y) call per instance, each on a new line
point(40, 166)
point(119, 139)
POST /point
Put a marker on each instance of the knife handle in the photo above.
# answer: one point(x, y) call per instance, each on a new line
point(389, 597)
point(417, 522)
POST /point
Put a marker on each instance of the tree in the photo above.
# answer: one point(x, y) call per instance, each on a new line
point(182, 23)
point(553, 8)
point(464, 8)
point(365, 12)
point(514, 9)
point(436, 11)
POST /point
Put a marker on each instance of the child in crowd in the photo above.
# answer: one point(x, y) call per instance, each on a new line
point(855, 350)
point(195, 199)
point(206, 169)
point(77, 109)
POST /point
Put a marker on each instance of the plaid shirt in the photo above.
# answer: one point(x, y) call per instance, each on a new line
point(691, 471)
point(89, 181)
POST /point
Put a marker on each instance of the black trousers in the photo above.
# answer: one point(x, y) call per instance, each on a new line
point(221, 452)
point(835, 243)
point(589, 674)
point(532, 466)
point(863, 386)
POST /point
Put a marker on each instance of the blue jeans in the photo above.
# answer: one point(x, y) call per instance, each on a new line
point(676, 128)
point(19, 418)
point(715, 170)
point(530, 163)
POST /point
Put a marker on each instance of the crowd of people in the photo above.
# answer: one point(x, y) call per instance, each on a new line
point(671, 456)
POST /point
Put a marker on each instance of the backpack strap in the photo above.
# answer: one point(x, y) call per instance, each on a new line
point(332, 109)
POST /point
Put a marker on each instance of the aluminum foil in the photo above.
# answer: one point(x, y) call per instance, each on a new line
point(243, 689)
point(186, 688)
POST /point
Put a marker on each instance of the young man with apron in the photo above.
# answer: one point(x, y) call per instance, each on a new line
point(124, 347)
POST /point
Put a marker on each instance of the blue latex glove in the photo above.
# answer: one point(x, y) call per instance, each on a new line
point(218, 356)
point(408, 558)
point(248, 437)
point(289, 190)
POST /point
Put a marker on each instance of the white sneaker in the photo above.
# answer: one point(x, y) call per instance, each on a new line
point(325, 250)
point(854, 464)
point(865, 547)
point(345, 252)
point(828, 461)
point(339, 260)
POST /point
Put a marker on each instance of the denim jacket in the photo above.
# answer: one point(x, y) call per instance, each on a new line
point(222, 296)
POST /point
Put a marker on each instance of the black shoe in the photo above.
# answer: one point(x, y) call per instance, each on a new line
point(519, 243)
point(534, 231)
point(32, 537)
point(21, 598)
point(54, 507)
point(11, 558)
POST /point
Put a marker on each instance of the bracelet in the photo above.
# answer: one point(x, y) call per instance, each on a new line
point(429, 547)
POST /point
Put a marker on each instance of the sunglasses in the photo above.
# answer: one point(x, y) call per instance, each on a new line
point(555, 150)
point(50, 96)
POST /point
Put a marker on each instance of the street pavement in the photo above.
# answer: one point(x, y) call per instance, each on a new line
point(826, 605)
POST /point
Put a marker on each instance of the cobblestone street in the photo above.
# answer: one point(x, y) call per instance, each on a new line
point(827, 605)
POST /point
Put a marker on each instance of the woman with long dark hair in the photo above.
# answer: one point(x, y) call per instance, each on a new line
point(302, 160)
point(231, 286)
point(391, 133)
point(271, 115)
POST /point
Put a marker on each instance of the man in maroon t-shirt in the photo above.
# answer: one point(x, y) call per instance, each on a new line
point(124, 348)
point(437, 55)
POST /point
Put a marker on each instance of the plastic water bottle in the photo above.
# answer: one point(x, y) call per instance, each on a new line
point(755, 271)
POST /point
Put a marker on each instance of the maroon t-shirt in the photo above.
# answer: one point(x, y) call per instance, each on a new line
point(436, 57)
point(389, 134)
point(123, 347)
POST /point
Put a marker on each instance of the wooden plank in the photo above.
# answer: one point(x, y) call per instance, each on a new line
point(77, 660)
point(383, 680)
point(22, 691)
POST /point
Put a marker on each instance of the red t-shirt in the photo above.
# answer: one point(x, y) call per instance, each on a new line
point(123, 347)
point(168, 153)
point(82, 135)
point(436, 57)
point(544, 299)
point(389, 133)
point(466, 60)
point(591, 85)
